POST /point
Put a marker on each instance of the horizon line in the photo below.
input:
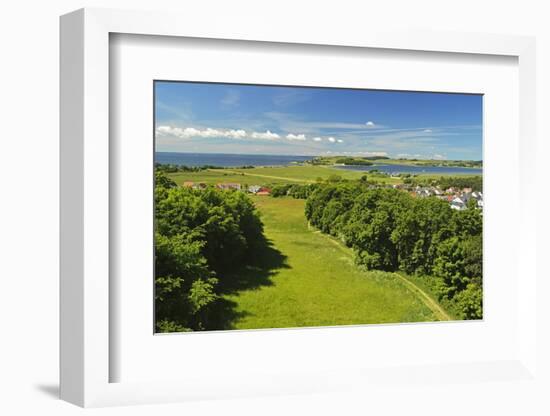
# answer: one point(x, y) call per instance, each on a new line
point(319, 155)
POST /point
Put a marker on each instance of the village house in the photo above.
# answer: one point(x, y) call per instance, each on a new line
point(478, 196)
point(254, 189)
point(457, 199)
point(466, 196)
point(193, 185)
point(424, 192)
point(263, 191)
point(458, 203)
point(228, 186)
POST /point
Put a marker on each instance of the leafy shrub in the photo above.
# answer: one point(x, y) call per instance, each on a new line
point(469, 302)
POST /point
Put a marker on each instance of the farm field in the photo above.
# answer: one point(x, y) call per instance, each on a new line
point(310, 279)
point(272, 175)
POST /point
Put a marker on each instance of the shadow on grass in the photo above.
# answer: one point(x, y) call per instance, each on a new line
point(261, 265)
point(224, 314)
point(265, 261)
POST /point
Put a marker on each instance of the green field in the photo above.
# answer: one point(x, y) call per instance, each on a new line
point(306, 278)
point(272, 175)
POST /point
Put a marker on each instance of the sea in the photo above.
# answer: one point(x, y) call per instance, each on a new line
point(226, 159)
point(233, 160)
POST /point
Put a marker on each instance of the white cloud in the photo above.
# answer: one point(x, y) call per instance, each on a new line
point(369, 124)
point(191, 132)
point(209, 132)
point(163, 130)
point(291, 136)
point(439, 157)
point(331, 139)
point(236, 134)
point(267, 135)
point(427, 131)
point(178, 132)
point(340, 141)
point(317, 139)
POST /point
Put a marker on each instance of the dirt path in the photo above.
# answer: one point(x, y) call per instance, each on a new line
point(430, 303)
point(438, 311)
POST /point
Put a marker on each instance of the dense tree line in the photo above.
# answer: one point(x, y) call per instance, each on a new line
point(391, 230)
point(348, 160)
point(353, 161)
point(451, 163)
point(297, 191)
point(173, 168)
point(376, 157)
point(201, 236)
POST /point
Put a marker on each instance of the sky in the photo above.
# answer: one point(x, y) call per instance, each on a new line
point(274, 120)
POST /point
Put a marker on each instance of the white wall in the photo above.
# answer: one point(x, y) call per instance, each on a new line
point(29, 184)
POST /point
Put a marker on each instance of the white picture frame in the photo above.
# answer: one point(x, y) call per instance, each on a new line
point(86, 355)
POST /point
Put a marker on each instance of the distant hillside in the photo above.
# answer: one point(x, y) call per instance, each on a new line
point(371, 160)
point(451, 163)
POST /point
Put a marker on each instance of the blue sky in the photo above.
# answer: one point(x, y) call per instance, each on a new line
point(250, 119)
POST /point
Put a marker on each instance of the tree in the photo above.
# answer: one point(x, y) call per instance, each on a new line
point(470, 302)
point(371, 222)
point(419, 230)
point(334, 178)
point(201, 237)
point(179, 268)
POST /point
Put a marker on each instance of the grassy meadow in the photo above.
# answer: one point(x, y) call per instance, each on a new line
point(273, 175)
point(315, 281)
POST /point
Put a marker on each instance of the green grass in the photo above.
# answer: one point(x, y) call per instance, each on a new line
point(272, 175)
point(302, 173)
point(427, 284)
point(309, 174)
point(313, 281)
point(218, 176)
point(284, 174)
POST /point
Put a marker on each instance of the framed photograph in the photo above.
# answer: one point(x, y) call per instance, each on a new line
point(281, 213)
point(284, 207)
